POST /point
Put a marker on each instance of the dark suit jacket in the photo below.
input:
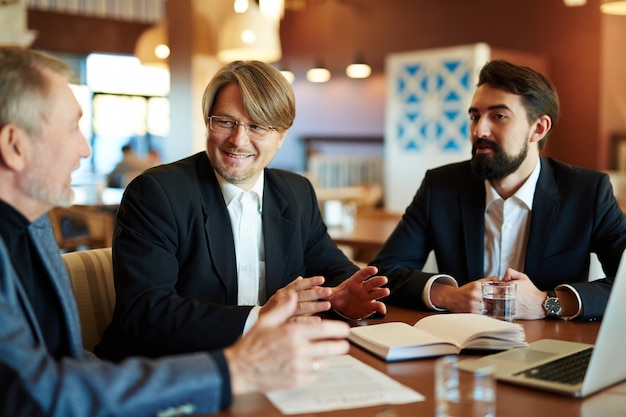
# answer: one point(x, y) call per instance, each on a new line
point(174, 257)
point(574, 213)
point(34, 383)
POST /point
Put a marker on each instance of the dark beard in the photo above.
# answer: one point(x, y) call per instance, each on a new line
point(498, 166)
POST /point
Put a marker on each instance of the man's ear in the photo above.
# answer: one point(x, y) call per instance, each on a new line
point(12, 147)
point(542, 127)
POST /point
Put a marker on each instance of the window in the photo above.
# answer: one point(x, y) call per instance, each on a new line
point(123, 103)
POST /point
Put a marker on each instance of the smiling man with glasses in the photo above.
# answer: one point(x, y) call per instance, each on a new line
point(203, 245)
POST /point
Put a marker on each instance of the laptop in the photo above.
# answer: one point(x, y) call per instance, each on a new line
point(541, 364)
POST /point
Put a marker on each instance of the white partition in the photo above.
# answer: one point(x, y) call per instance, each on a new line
point(426, 122)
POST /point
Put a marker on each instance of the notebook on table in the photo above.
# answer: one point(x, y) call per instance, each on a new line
point(545, 364)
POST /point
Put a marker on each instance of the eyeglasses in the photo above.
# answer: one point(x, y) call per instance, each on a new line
point(229, 126)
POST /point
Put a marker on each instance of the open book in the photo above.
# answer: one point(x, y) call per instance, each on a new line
point(437, 335)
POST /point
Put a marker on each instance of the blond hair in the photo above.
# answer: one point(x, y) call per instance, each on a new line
point(267, 95)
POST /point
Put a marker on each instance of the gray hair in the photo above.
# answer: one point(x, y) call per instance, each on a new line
point(24, 86)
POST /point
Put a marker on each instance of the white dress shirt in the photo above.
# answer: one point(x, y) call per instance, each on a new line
point(507, 223)
point(245, 209)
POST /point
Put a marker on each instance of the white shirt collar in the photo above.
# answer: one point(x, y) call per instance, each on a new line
point(525, 194)
point(231, 191)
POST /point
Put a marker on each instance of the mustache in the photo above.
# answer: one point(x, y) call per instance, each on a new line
point(231, 149)
point(485, 143)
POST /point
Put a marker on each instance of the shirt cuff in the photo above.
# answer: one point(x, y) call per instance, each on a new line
point(580, 302)
point(441, 279)
point(253, 316)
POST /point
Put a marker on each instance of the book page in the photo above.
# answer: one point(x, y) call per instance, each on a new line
point(461, 328)
point(396, 334)
point(396, 341)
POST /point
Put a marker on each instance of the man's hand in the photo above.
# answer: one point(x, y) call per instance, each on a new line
point(356, 297)
point(277, 354)
point(529, 300)
point(309, 294)
point(465, 299)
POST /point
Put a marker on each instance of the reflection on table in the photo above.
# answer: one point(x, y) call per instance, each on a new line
point(512, 401)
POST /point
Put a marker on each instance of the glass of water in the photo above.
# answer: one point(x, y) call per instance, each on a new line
point(499, 300)
point(464, 393)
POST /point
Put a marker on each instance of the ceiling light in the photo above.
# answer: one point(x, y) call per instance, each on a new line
point(318, 74)
point(151, 47)
point(241, 6)
point(287, 73)
point(574, 3)
point(358, 69)
point(613, 6)
point(272, 9)
point(290, 76)
point(249, 35)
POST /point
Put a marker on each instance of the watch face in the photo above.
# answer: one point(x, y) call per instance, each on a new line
point(552, 306)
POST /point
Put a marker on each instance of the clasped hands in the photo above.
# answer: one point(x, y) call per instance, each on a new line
point(468, 298)
point(355, 298)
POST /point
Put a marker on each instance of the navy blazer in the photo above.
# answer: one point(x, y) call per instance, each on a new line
point(574, 213)
point(34, 383)
point(174, 257)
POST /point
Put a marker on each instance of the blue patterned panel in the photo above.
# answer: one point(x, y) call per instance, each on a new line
point(433, 108)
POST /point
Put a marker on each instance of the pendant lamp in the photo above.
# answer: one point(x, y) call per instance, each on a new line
point(613, 7)
point(249, 35)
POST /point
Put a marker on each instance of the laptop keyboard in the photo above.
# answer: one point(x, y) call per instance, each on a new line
point(570, 369)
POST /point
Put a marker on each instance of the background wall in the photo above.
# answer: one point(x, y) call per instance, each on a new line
point(569, 38)
point(583, 48)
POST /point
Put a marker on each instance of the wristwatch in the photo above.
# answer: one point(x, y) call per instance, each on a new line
point(552, 305)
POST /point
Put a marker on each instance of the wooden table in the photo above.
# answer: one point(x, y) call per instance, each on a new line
point(512, 401)
point(371, 229)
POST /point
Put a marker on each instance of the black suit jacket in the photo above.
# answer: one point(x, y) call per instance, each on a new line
point(574, 213)
point(174, 258)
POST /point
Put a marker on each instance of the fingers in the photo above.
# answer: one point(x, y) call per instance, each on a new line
point(312, 307)
point(325, 329)
point(282, 357)
point(284, 306)
point(374, 286)
point(376, 281)
point(322, 339)
point(309, 289)
point(300, 284)
point(511, 274)
point(380, 307)
point(305, 319)
point(366, 272)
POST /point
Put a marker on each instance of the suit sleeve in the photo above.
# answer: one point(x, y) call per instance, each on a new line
point(608, 241)
point(405, 252)
point(160, 309)
point(36, 384)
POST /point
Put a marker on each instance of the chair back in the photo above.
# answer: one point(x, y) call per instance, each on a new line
point(82, 227)
point(91, 275)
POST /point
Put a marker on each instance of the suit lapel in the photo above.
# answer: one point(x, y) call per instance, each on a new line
point(472, 208)
point(48, 249)
point(277, 233)
point(218, 230)
point(545, 206)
